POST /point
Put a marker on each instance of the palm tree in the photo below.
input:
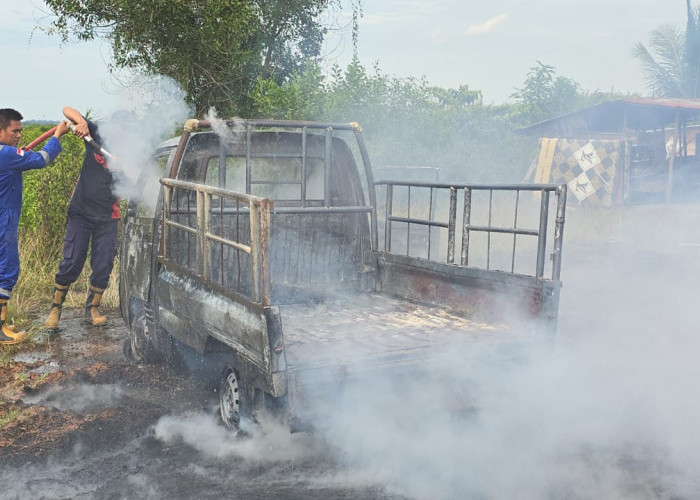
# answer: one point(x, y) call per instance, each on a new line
point(692, 50)
point(671, 63)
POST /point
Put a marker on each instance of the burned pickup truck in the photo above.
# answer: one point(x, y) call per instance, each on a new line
point(288, 270)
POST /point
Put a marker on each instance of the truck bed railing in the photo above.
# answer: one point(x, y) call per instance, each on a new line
point(210, 201)
point(451, 212)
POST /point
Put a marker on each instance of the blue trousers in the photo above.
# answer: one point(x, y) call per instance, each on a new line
point(9, 251)
point(101, 238)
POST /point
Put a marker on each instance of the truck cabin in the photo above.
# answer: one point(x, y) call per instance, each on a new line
point(319, 214)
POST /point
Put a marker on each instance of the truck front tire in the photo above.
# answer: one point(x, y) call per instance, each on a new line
point(139, 347)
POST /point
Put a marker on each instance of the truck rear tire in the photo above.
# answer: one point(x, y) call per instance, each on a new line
point(230, 399)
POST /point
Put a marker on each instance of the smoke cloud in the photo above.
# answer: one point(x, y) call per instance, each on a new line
point(268, 443)
point(80, 397)
point(607, 411)
point(158, 110)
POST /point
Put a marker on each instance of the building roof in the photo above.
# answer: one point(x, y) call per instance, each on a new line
point(613, 117)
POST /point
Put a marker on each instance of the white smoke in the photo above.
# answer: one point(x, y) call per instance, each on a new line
point(219, 125)
point(160, 110)
point(79, 397)
point(608, 411)
point(270, 442)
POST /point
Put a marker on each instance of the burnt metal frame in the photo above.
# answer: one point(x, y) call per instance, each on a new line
point(265, 206)
point(304, 126)
point(258, 251)
point(257, 209)
point(544, 190)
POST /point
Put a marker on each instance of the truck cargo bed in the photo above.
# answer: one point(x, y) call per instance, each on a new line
point(375, 328)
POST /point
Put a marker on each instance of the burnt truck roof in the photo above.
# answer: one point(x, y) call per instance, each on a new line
point(167, 144)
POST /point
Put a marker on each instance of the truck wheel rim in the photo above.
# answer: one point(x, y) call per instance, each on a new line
point(229, 400)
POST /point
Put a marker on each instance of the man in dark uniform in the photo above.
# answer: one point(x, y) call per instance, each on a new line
point(93, 221)
point(14, 161)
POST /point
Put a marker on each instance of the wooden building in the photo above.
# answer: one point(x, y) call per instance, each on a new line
point(627, 151)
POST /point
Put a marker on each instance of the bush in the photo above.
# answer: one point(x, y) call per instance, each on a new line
point(47, 191)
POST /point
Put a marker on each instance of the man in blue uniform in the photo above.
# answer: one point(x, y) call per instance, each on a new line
point(93, 221)
point(14, 161)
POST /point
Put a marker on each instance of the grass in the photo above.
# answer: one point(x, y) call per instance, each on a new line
point(9, 417)
point(5, 356)
point(32, 295)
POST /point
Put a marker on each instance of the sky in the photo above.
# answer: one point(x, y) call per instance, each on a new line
point(488, 45)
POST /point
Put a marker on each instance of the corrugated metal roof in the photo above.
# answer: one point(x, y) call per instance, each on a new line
point(667, 102)
point(636, 113)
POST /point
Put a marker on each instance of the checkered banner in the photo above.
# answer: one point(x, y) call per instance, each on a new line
point(588, 167)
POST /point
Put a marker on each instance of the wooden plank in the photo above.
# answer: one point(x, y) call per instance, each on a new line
point(544, 162)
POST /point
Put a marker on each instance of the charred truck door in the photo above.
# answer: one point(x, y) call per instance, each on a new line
point(137, 252)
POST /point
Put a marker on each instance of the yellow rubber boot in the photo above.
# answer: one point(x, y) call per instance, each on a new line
point(92, 313)
point(59, 296)
point(8, 334)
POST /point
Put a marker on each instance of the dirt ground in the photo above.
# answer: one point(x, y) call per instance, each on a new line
point(77, 420)
point(44, 388)
point(606, 416)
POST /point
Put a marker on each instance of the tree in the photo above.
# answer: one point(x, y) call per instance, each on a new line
point(671, 62)
point(215, 49)
point(407, 122)
point(545, 95)
point(692, 50)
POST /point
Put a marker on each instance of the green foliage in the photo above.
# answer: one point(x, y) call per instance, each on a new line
point(47, 191)
point(407, 122)
point(662, 63)
point(9, 417)
point(671, 61)
point(301, 98)
point(216, 50)
point(545, 95)
point(260, 58)
point(692, 50)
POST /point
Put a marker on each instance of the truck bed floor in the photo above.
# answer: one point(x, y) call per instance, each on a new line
point(375, 326)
